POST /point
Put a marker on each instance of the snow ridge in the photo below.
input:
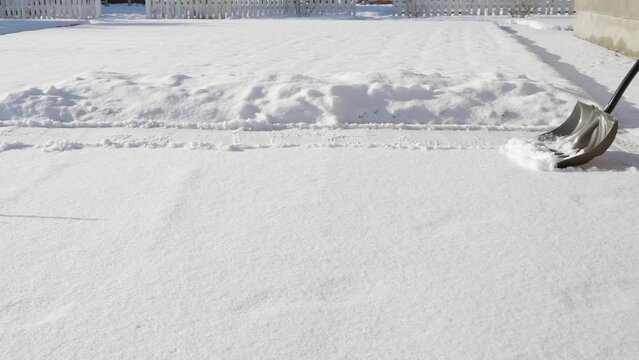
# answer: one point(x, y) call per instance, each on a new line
point(5, 146)
point(272, 102)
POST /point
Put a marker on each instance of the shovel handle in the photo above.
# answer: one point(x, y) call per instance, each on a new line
point(622, 88)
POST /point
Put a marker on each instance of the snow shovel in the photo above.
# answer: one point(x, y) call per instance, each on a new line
point(589, 131)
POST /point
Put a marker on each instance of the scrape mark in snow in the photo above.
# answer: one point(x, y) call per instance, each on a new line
point(238, 141)
point(333, 289)
point(251, 303)
point(6, 146)
point(26, 314)
point(164, 143)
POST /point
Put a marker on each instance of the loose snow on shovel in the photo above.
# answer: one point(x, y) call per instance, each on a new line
point(529, 155)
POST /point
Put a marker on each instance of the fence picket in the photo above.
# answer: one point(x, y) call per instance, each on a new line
point(221, 9)
point(50, 9)
point(563, 7)
point(467, 5)
point(482, 7)
point(500, 7)
point(438, 8)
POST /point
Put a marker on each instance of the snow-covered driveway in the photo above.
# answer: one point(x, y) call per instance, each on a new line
point(272, 74)
point(375, 217)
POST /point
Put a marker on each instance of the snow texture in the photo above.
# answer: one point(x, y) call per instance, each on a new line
point(530, 155)
point(9, 26)
point(360, 223)
point(552, 23)
point(282, 101)
point(300, 80)
point(5, 146)
point(313, 253)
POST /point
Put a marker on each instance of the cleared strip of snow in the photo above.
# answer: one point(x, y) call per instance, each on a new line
point(156, 138)
point(514, 145)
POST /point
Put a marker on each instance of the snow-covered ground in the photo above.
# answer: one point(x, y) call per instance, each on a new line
point(10, 26)
point(390, 207)
point(549, 22)
point(258, 74)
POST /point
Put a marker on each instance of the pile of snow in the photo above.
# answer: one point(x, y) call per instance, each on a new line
point(258, 74)
point(273, 101)
point(529, 155)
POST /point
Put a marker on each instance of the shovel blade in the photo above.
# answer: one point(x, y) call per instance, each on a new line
point(588, 133)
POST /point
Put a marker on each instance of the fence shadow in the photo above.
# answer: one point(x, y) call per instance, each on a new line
point(126, 23)
point(628, 112)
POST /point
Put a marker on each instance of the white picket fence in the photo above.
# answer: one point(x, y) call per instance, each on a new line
point(221, 9)
point(50, 9)
point(479, 7)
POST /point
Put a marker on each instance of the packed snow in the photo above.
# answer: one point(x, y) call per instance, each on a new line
point(272, 101)
point(312, 189)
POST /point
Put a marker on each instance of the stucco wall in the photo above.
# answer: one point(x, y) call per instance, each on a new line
point(610, 23)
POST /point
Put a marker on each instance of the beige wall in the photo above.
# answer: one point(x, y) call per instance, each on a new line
point(610, 23)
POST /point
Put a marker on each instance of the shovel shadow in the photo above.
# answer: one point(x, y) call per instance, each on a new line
point(613, 161)
point(626, 112)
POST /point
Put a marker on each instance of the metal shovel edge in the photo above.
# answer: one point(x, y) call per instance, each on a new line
point(589, 131)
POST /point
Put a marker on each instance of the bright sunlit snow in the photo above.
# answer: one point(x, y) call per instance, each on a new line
point(311, 189)
point(529, 155)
